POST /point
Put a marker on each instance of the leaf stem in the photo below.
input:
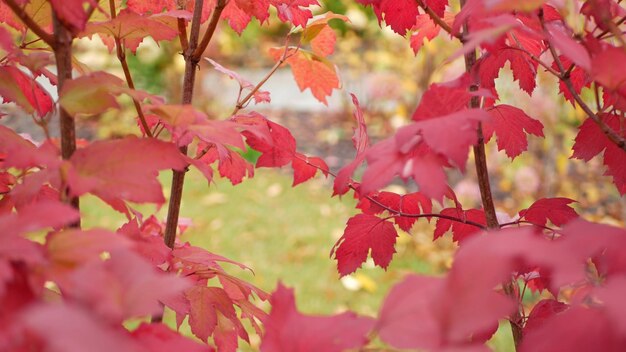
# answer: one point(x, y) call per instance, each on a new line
point(121, 56)
point(20, 12)
point(242, 103)
point(210, 30)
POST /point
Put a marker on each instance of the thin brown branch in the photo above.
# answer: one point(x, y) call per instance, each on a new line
point(438, 20)
point(20, 12)
point(63, 57)
point(606, 31)
point(210, 30)
point(534, 57)
point(182, 34)
point(178, 177)
point(243, 102)
point(480, 161)
point(518, 222)
point(617, 34)
point(121, 56)
point(608, 131)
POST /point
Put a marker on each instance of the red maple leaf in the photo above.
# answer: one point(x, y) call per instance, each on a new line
point(286, 329)
point(305, 167)
point(442, 99)
point(400, 15)
point(212, 313)
point(231, 164)
point(364, 233)
point(279, 152)
point(409, 204)
point(460, 230)
point(524, 69)
point(239, 13)
point(311, 71)
point(557, 210)
point(510, 124)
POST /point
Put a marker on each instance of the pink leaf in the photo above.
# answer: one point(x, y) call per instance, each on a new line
point(160, 338)
point(543, 310)
point(37, 216)
point(54, 323)
point(569, 47)
point(289, 330)
point(123, 169)
point(592, 141)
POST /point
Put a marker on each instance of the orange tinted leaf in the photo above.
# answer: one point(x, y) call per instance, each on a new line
point(324, 42)
point(132, 28)
point(75, 247)
point(95, 93)
point(311, 72)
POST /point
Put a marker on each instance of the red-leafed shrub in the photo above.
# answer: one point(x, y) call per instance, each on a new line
point(77, 289)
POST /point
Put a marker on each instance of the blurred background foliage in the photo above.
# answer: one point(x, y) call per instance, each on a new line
point(286, 234)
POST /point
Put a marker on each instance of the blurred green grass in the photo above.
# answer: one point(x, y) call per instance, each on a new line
point(285, 234)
